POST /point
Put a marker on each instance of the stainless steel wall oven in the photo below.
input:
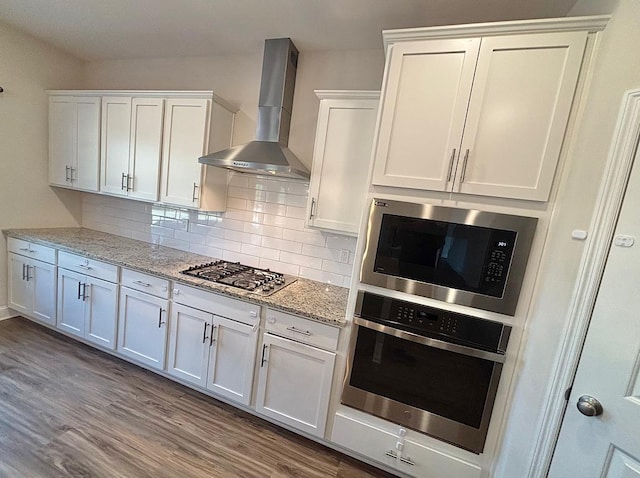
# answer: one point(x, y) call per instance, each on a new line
point(431, 370)
point(462, 256)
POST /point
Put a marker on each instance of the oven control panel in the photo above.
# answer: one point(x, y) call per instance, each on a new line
point(431, 322)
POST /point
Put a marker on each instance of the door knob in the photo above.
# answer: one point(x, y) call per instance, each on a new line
point(589, 406)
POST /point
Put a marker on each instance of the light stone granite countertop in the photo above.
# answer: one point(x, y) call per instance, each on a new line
point(310, 299)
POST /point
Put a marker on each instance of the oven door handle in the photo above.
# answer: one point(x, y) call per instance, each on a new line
point(439, 344)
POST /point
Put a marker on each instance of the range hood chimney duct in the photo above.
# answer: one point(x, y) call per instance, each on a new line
point(269, 153)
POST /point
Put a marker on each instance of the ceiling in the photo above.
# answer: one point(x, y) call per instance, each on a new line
point(117, 29)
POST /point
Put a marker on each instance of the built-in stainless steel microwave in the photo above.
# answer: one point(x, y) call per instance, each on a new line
point(461, 256)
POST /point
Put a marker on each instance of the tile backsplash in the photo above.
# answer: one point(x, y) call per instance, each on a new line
point(263, 226)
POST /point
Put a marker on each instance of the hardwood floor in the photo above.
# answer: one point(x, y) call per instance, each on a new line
point(69, 410)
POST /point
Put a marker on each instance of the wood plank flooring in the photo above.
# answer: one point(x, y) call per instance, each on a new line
point(69, 410)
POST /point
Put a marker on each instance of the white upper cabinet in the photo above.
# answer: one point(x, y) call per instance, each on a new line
point(192, 128)
point(74, 141)
point(480, 116)
point(423, 109)
point(344, 137)
point(131, 143)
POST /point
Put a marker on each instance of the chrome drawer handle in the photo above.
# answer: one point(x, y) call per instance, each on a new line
point(85, 267)
point(143, 284)
point(160, 322)
point(299, 331)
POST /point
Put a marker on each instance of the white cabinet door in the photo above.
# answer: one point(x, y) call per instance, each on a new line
point(101, 312)
point(63, 120)
point(184, 141)
point(87, 166)
point(20, 291)
point(144, 155)
point(70, 317)
point(518, 112)
point(142, 327)
point(233, 349)
point(295, 383)
point(115, 143)
point(189, 343)
point(42, 277)
point(344, 137)
point(423, 108)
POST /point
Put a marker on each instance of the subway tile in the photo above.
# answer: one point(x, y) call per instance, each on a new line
point(224, 244)
point(234, 224)
point(278, 266)
point(306, 236)
point(142, 236)
point(238, 180)
point(190, 237)
point(174, 243)
point(296, 212)
point(298, 259)
point(162, 231)
point(244, 237)
point(335, 241)
point(321, 252)
point(273, 254)
point(275, 197)
point(281, 244)
point(263, 230)
point(236, 203)
point(142, 217)
point(322, 276)
point(283, 221)
point(213, 252)
point(267, 208)
point(346, 282)
point(206, 230)
point(337, 267)
point(296, 201)
point(245, 259)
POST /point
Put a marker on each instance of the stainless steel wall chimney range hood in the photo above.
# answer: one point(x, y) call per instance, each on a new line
point(269, 154)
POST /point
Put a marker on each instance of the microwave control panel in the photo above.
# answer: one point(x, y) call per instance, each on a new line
point(496, 264)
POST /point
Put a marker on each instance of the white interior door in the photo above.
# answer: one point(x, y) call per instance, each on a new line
point(608, 445)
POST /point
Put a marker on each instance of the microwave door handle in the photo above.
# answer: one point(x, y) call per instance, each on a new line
point(439, 344)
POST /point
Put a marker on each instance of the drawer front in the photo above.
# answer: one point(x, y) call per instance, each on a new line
point(145, 283)
point(234, 309)
point(29, 249)
point(381, 445)
point(90, 267)
point(302, 330)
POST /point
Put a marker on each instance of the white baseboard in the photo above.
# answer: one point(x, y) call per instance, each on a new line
point(6, 313)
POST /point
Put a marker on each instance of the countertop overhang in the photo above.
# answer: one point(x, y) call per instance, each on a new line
point(310, 299)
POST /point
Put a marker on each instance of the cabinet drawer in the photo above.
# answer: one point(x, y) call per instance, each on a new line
point(29, 249)
point(234, 309)
point(303, 330)
point(145, 283)
point(90, 267)
point(380, 445)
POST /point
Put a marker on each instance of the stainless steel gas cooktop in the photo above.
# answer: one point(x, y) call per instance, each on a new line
point(260, 281)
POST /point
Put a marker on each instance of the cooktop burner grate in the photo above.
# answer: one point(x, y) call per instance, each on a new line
point(261, 281)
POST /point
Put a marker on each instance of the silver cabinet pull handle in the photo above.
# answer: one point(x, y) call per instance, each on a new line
point(204, 333)
point(160, 322)
point(28, 276)
point(24, 274)
point(85, 267)
point(84, 292)
point(143, 284)
point(212, 338)
point(464, 165)
point(313, 204)
point(79, 294)
point(72, 170)
point(66, 173)
point(263, 360)
point(122, 185)
point(453, 156)
point(194, 198)
point(129, 179)
point(299, 331)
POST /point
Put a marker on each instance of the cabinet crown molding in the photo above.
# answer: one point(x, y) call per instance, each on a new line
point(588, 23)
point(195, 94)
point(347, 94)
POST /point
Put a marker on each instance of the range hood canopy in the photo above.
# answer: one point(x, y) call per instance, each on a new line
point(269, 153)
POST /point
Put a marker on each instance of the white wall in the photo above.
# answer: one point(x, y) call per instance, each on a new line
point(617, 69)
point(27, 68)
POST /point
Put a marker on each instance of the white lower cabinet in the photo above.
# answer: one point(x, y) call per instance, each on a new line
point(397, 451)
point(212, 351)
point(87, 307)
point(32, 288)
point(142, 327)
point(295, 379)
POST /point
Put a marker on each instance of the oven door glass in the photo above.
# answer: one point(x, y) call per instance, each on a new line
point(445, 383)
point(459, 256)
